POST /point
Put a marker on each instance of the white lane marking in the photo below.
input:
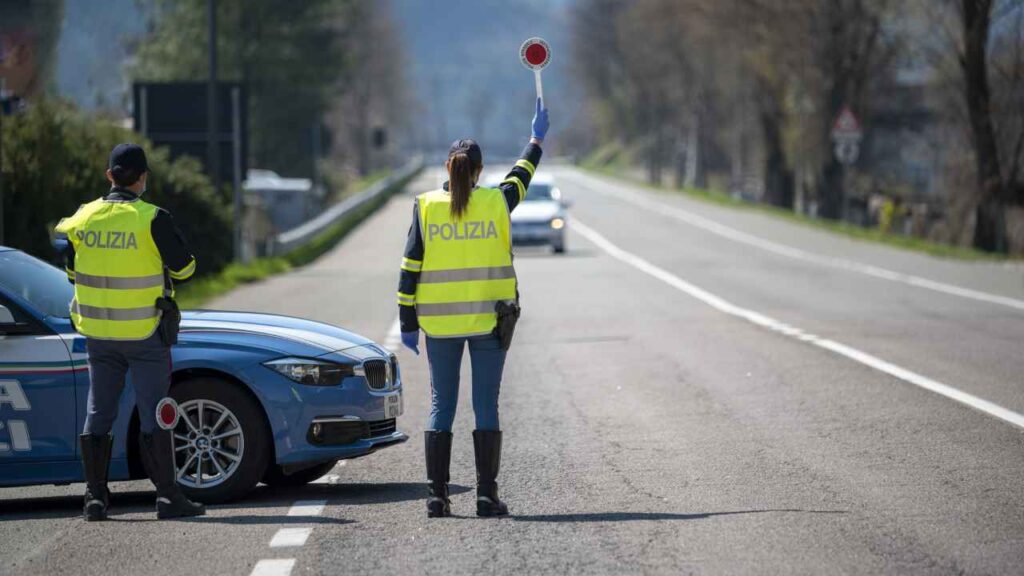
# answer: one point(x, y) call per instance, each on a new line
point(273, 567)
point(393, 341)
point(290, 537)
point(794, 332)
point(796, 253)
point(307, 508)
point(328, 479)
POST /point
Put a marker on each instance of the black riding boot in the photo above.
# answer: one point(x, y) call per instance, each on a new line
point(438, 447)
point(487, 444)
point(158, 459)
point(95, 465)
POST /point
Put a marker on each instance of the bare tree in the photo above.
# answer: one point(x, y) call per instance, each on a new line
point(998, 186)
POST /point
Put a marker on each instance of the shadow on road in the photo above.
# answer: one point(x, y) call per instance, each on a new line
point(640, 516)
point(347, 494)
point(260, 498)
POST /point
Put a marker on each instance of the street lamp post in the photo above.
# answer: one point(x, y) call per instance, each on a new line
point(2, 88)
point(212, 148)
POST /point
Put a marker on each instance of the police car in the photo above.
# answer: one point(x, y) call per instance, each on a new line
point(261, 397)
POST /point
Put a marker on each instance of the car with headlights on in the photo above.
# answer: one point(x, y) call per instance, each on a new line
point(541, 218)
point(261, 397)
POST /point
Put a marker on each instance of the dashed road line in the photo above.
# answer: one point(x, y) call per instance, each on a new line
point(328, 479)
point(289, 537)
point(286, 537)
point(709, 225)
point(782, 328)
point(307, 508)
point(273, 567)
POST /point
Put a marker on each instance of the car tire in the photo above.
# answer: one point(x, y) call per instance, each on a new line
point(276, 478)
point(559, 247)
point(256, 448)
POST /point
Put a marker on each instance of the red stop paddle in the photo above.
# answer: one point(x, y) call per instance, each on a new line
point(536, 55)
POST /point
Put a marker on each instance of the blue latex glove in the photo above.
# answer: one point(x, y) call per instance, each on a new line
point(540, 122)
point(411, 340)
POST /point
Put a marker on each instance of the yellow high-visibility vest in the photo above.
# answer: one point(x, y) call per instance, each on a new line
point(467, 264)
point(119, 273)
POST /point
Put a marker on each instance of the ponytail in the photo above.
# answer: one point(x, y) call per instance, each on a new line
point(461, 171)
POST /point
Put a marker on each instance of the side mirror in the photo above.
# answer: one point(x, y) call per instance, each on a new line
point(566, 203)
point(10, 326)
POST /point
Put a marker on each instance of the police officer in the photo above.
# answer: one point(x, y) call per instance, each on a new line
point(456, 273)
point(123, 254)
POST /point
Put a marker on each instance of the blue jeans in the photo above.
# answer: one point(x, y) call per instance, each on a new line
point(445, 358)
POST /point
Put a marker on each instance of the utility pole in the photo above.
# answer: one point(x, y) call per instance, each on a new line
point(212, 144)
point(2, 88)
point(236, 168)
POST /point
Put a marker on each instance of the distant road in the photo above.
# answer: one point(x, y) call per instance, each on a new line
point(694, 389)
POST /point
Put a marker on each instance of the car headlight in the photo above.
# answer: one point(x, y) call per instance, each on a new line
point(311, 372)
point(557, 223)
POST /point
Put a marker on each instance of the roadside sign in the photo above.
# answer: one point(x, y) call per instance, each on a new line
point(846, 136)
point(536, 55)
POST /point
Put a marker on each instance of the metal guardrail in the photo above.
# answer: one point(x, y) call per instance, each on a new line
point(302, 234)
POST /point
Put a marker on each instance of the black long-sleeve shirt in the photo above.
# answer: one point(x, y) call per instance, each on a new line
point(179, 262)
point(514, 189)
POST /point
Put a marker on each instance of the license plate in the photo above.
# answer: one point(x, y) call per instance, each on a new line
point(393, 406)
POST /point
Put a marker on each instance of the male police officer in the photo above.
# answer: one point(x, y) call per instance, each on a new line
point(122, 255)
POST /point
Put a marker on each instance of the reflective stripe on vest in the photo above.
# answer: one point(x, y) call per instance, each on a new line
point(119, 283)
point(465, 274)
point(118, 270)
point(467, 264)
point(121, 314)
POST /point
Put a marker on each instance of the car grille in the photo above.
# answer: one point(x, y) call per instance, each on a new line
point(347, 432)
point(382, 428)
point(376, 374)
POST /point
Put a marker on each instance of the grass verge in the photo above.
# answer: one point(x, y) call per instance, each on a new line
point(201, 290)
point(842, 228)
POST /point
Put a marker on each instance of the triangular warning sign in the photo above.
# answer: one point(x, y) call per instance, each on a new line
point(846, 122)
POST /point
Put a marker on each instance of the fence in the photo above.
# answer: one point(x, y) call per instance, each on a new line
point(303, 234)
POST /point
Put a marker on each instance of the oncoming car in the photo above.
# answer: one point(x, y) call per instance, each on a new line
point(261, 397)
point(541, 218)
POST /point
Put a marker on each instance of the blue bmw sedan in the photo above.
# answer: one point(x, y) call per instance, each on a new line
point(262, 398)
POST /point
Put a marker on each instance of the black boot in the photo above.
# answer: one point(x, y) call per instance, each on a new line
point(95, 465)
point(438, 448)
point(487, 445)
point(158, 459)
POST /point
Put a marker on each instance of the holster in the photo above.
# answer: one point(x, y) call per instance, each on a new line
point(508, 315)
point(170, 320)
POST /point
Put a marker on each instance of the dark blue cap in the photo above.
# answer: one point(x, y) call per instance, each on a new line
point(130, 157)
point(469, 148)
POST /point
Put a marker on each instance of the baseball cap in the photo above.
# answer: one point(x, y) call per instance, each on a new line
point(130, 157)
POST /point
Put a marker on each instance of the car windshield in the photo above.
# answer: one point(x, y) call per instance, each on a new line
point(538, 193)
point(42, 285)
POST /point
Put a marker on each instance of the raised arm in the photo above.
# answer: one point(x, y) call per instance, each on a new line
point(518, 180)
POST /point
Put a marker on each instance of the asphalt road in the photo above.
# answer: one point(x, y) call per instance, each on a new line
point(693, 389)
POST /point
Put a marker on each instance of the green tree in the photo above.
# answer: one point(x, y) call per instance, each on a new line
point(290, 56)
point(54, 161)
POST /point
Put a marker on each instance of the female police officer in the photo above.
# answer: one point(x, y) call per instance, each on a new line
point(456, 271)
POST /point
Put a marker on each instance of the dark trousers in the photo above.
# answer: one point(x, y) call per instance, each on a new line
point(149, 363)
point(445, 358)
